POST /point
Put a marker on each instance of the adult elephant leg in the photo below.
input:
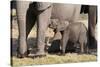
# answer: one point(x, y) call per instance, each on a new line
point(30, 21)
point(22, 7)
point(76, 13)
point(42, 24)
point(91, 26)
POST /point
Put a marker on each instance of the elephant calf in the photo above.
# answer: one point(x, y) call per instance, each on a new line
point(75, 32)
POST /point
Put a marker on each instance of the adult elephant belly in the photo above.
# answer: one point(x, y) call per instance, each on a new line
point(69, 12)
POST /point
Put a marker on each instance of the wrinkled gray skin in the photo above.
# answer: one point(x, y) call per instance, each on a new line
point(77, 34)
point(29, 12)
point(74, 32)
point(58, 25)
point(91, 26)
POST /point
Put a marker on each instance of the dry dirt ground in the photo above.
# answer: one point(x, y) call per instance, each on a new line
point(49, 59)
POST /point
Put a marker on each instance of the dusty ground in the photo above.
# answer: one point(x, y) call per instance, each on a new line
point(49, 59)
point(54, 59)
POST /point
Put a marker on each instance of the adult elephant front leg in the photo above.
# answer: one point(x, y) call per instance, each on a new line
point(22, 7)
point(42, 24)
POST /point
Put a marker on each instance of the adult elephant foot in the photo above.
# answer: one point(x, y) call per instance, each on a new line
point(62, 53)
point(38, 54)
point(19, 55)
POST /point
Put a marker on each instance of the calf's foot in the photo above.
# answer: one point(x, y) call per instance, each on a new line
point(62, 53)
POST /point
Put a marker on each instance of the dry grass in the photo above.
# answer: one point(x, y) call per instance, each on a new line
point(50, 59)
point(54, 59)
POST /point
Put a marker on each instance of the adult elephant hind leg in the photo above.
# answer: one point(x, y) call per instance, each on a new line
point(76, 13)
point(22, 7)
point(42, 24)
point(92, 21)
point(30, 22)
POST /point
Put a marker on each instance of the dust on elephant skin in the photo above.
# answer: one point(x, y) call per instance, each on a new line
point(76, 33)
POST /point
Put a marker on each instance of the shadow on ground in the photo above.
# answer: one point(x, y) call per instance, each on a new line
point(14, 44)
point(31, 42)
point(53, 48)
